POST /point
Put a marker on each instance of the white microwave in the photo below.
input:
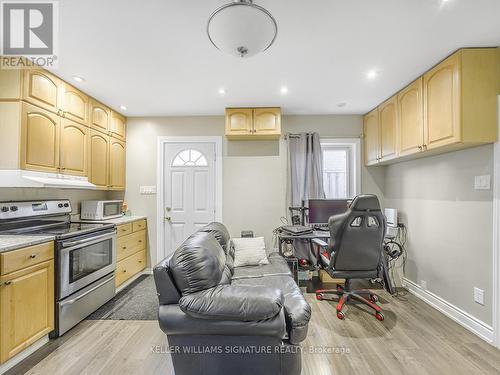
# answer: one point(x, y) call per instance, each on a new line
point(101, 210)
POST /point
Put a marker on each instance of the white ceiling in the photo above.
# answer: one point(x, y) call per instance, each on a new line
point(154, 55)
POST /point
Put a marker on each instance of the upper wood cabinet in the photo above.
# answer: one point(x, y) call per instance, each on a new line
point(387, 127)
point(74, 104)
point(411, 124)
point(118, 125)
point(99, 159)
point(372, 137)
point(39, 139)
point(42, 89)
point(116, 164)
point(99, 116)
point(26, 304)
point(74, 148)
point(253, 123)
point(452, 106)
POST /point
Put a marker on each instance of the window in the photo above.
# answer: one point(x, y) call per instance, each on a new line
point(190, 158)
point(341, 167)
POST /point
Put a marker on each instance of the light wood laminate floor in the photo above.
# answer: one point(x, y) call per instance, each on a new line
point(413, 339)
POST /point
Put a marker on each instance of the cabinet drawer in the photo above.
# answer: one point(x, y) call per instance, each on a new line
point(130, 266)
point(138, 225)
point(131, 243)
point(18, 259)
point(124, 229)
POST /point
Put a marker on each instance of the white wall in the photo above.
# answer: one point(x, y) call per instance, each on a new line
point(449, 224)
point(254, 171)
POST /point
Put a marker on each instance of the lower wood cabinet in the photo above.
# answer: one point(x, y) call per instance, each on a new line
point(26, 298)
point(131, 250)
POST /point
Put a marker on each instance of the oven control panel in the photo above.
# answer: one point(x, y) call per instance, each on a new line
point(17, 210)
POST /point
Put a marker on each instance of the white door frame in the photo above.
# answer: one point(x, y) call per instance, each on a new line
point(496, 240)
point(160, 204)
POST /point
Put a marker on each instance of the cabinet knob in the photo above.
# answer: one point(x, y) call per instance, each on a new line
point(33, 256)
point(124, 270)
point(7, 282)
point(124, 247)
point(140, 241)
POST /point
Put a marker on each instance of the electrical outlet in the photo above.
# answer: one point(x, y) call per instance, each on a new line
point(482, 182)
point(479, 296)
point(423, 284)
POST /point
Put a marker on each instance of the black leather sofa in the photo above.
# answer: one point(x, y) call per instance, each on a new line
point(218, 318)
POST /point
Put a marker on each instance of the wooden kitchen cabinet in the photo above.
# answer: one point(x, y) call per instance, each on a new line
point(75, 104)
point(74, 148)
point(131, 250)
point(411, 122)
point(98, 171)
point(42, 89)
point(39, 139)
point(100, 116)
point(26, 304)
point(116, 164)
point(371, 137)
point(388, 129)
point(118, 125)
point(253, 123)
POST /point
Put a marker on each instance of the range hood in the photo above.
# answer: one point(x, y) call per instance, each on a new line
point(20, 178)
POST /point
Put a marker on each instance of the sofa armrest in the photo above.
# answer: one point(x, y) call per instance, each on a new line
point(233, 302)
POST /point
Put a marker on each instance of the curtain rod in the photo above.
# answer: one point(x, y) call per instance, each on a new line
point(297, 135)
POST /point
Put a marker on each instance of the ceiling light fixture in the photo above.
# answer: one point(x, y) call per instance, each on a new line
point(222, 91)
point(123, 108)
point(79, 79)
point(241, 28)
point(371, 74)
point(284, 90)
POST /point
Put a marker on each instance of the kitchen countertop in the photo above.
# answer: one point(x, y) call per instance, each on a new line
point(8, 242)
point(119, 220)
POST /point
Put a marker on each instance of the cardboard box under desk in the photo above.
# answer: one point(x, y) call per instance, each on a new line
point(326, 279)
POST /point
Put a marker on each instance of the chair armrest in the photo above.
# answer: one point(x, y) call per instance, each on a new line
point(233, 302)
point(320, 243)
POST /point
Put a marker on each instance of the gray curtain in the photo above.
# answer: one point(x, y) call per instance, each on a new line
point(305, 168)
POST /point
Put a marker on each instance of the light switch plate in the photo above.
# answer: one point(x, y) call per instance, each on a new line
point(479, 296)
point(482, 182)
point(147, 190)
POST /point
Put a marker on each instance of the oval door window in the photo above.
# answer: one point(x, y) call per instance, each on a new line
point(190, 158)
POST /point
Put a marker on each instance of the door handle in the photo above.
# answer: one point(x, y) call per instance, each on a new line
point(168, 218)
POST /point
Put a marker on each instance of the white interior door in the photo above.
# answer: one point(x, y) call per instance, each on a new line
point(189, 190)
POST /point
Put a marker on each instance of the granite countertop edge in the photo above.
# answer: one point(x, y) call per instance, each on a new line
point(13, 242)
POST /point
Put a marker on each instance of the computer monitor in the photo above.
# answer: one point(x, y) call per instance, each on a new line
point(320, 210)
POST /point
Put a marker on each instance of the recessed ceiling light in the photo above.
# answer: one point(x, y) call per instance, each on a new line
point(371, 74)
point(222, 91)
point(341, 104)
point(79, 79)
point(123, 108)
point(284, 90)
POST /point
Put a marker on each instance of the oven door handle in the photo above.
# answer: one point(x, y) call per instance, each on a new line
point(88, 240)
point(73, 300)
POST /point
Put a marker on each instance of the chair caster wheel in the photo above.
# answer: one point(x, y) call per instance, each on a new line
point(373, 298)
point(319, 297)
point(379, 316)
point(340, 315)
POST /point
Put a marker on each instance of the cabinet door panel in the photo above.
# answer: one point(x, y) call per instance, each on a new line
point(411, 126)
point(267, 121)
point(388, 129)
point(117, 164)
point(42, 88)
point(118, 125)
point(99, 116)
point(27, 308)
point(239, 121)
point(442, 103)
point(99, 159)
point(39, 139)
point(74, 148)
point(371, 137)
point(75, 104)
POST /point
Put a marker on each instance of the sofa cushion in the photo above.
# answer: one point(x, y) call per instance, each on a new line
point(233, 302)
point(198, 263)
point(277, 266)
point(297, 310)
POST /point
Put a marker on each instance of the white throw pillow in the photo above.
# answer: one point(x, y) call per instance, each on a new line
point(249, 251)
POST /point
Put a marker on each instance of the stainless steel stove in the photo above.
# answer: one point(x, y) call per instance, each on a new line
point(85, 255)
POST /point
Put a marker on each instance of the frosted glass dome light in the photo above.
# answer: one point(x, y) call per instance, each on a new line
point(242, 28)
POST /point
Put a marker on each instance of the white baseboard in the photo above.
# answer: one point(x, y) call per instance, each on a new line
point(147, 271)
point(24, 354)
point(466, 320)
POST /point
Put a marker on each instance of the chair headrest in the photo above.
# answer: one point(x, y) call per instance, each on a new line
point(365, 202)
